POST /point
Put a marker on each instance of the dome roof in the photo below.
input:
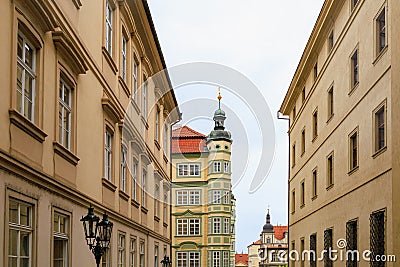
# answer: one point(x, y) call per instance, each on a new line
point(268, 227)
point(219, 112)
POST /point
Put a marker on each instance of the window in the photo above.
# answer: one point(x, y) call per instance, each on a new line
point(106, 258)
point(353, 4)
point(331, 41)
point(225, 258)
point(189, 169)
point(328, 244)
point(134, 78)
point(315, 124)
point(157, 125)
point(156, 200)
point(132, 252)
point(217, 167)
point(303, 95)
point(121, 250)
point(216, 196)
point(293, 201)
point(123, 173)
point(65, 110)
point(301, 252)
point(216, 225)
point(303, 141)
point(109, 27)
point(165, 214)
point(134, 178)
point(141, 254)
point(354, 69)
point(26, 77)
point(226, 225)
point(315, 71)
point(330, 102)
point(351, 238)
point(353, 150)
point(227, 167)
point(330, 171)
point(60, 240)
point(314, 183)
point(188, 197)
point(123, 57)
point(156, 256)
point(377, 238)
point(380, 129)
point(227, 195)
point(188, 227)
point(20, 234)
point(165, 140)
point(293, 155)
point(293, 262)
point(144, 97)
point(294, 113)
point(381, 31)
point(186, 259)
point(144, 178)
point(313, 250)
point(302, 193)
point(108, 155)
point(216, 259)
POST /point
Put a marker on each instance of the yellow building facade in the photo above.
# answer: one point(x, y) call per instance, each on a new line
point(343, 145)
point(70, 68)
point(202, 202)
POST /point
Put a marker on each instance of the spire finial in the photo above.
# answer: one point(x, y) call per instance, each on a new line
point(268, 216)
point(219, 97)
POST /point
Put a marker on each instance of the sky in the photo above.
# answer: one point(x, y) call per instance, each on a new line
point(263, 40)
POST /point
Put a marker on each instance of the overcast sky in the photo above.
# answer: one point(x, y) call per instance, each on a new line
point(262, 39)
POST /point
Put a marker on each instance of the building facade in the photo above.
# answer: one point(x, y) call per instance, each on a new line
point(70, 68)
point(272, 247)
point(203, 204)
point(343, 153)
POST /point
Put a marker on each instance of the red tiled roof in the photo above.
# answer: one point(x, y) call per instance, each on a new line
point(187, 140)
point(241, 258)
point(279, 232)
point(258, 242)
point(185, 131)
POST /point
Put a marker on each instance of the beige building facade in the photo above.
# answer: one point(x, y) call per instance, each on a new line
point(70, 68)
point(342, 105)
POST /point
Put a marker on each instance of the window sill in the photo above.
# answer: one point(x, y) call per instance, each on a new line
point(145, 122)
point(302, 153)
point(26, 125)
point(110, 60)
point(355, 86)
point(314, 138)
point(108, 184)
point(144, 210)
point(353, 170)
point(165, 224)
point(380, 151)
point(156, 218)
point(157, 144)
point(380, 55)
point(165, 158)
point(124, 86)
point(314, 197)
point(123, 195)
point(330, 118)
point(135, 203)
point(135, 106)
point(302, 206)
point(65, 153)
point(330, 187)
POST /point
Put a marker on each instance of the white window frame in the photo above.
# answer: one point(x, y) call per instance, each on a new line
point(21, 229)
point(216, 258)
point(30, 71)
point(61, 236)
point(132, 252)
point(108, 146)
point(121, 250)
point(65, 106)
point(144, 178)
point(135, 67)
point(124, 57)
point(123, 169)
point(216, 222)
point(227, 224)
point(217, 167)
point(109, 27)
point(188, 227)
point(216, 197)
point(188, 197)
point(144, 98)
point(189, 170)
point(157, 200)
point(142, 254)
point(134, 178)
point(227, 167)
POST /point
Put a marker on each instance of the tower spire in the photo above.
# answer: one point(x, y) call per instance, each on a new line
point(219, 97)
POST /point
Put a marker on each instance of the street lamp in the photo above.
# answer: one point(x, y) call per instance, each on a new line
point(97, 233)
point(166, 262)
